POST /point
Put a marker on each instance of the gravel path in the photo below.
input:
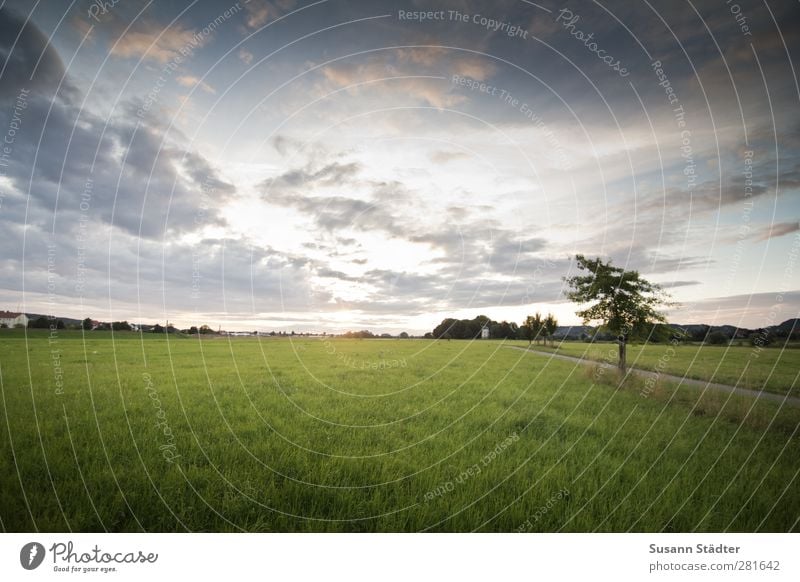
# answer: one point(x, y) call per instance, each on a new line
point(790, 400)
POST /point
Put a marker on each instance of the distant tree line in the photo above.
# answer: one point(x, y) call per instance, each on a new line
point(46, 323)
point(534, 328)
point(202, 330)
point(366, 334)
point(461, 328)
point(363, 334)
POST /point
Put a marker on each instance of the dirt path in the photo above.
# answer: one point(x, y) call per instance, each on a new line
point(790, 400)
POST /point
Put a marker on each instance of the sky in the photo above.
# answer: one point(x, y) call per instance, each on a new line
point(342, 164)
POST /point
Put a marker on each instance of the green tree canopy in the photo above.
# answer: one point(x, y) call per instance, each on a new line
point(622, 301)
point(534, 327)
point(550, 325)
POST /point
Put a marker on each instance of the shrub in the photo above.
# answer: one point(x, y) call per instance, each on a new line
point(760, 338)
point(717, 338)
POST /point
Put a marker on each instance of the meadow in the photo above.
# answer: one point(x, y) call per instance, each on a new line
point(154, 433)
point(773, 369)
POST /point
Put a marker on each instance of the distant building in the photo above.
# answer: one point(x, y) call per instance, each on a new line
point(484, 331)
point(11, 318)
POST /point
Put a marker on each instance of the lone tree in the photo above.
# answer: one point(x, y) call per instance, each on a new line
point(624, 302)
point(550, 326)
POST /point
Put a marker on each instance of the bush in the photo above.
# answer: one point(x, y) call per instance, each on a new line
point(760, 338)
point(717, 338)
point(41, 322)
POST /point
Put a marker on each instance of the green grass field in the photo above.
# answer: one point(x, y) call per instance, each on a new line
point(157, 434)
point(772, 369)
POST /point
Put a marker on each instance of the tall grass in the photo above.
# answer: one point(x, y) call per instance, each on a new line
point(773, 369)
point(279, 435)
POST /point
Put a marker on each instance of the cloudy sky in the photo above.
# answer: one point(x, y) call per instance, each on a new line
point(346, 164)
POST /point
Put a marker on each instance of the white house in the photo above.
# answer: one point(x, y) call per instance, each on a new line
point(485, 331)
point(11, 318)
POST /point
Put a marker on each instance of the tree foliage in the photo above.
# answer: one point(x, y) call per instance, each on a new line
point(471, 328)
point(363, 334)
point(622, 301)
point(532, 327)
point(538, 328)
point(717, 338)
point(503, 330)
point(41, 322)
point(549, 325)
point(460, 328)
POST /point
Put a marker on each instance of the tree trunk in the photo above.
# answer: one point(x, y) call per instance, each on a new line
point(622, 350)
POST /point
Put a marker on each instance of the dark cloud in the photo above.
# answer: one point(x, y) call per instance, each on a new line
point(329, 175)
point(332, 274)
point(102, 266)
point(73, 174)
point(334, 213)
point(128, 173)
point(27, 61)
point(138, 179)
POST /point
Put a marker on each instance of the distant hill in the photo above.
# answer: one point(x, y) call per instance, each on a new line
point(696, 331)
point(784, 329)
point(788, 327)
